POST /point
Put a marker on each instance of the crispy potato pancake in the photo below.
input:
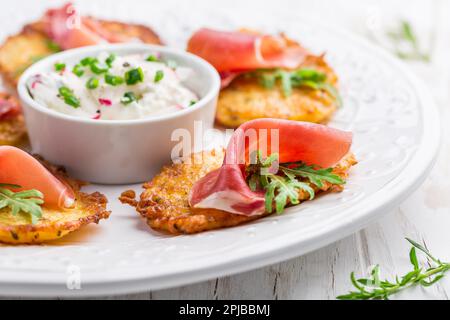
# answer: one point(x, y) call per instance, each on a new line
point(165, 206)
point(246, 99)
point(12, 129)
point(20, 51)
point(54, 224)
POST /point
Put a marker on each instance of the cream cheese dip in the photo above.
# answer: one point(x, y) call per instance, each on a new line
point(114, 87)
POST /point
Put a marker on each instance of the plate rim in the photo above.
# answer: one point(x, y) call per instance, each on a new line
point(421, 164)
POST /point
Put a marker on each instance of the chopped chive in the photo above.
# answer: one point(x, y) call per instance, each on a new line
point(92, 83)
point(113, 80)
point(97, 69)
point(60, 66)
point(152, 58)
point(192, 103)
point(159, 76)
point(64, 91)
point(109, 61)
point(88, 61)
point(72, 101)
point(128, 98)
point(77, 70)
point(68, 97)
point(134, 76)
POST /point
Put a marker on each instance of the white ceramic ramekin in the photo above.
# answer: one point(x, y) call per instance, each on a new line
point(116, 151)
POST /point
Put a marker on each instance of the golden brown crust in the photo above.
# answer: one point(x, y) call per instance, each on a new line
point(245, 99)
point(20, 51)
point(12, 129)
point(141, 32)
point(164, 203)
point(55, 224)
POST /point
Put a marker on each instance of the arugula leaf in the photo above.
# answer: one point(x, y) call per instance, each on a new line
point(28, 201)
point(374, 288)
point(282, 187)
point(304, 77)
point(315, 176)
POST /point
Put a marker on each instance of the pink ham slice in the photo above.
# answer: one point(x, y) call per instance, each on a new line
point(9, 108)
point(19, 168)
point(69, 30)
point(226, 188)
point(244, 51)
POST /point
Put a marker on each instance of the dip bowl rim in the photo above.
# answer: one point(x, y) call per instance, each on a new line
point(212, 81)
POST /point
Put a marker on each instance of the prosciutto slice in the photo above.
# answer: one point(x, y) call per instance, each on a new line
point(244, 50)
point(9, 108)
point(226, 188)
point(19, 168)
point(70, 30)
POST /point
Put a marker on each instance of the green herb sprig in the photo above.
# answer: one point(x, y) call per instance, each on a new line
point(28, 201)
point(406, 44)
point(282, 187)
point(374, 288)
point(304, 77)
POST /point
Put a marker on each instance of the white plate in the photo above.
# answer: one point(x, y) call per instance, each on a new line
point(396, 133)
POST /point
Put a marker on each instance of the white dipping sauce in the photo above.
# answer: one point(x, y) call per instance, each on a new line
point(159, 90)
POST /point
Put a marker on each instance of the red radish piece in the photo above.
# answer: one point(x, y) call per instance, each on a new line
point(19, 168)
point(97, 116)
point(105, 102)
point(226, 188)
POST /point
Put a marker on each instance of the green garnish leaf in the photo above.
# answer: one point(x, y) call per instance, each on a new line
point(97, 68)
point(134, 76)
point(88, 61)
point(113, 80)
point(92, 83)
point(78, 70)
point(315, 176)
point(60, 66)
point(405, 42)
point(304, 77)
point(28, 201)
point(192, 102)
point(374, 288)
point(128, 98)
point(159, 75)
point(152, 58)
point(69, 98)
point(110, 60)
point(283, 187)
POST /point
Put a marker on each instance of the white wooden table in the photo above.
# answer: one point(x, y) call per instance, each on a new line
point(424, 216)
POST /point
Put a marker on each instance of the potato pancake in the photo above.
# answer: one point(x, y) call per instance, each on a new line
point(54, 224)
point(20, 51)
point(12, 128)
point(246, 99)
point(165, 202)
